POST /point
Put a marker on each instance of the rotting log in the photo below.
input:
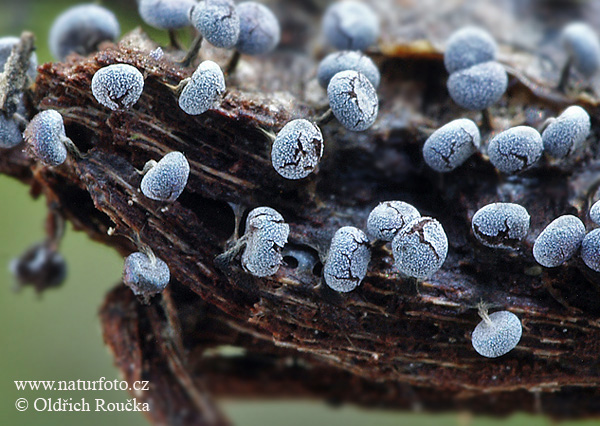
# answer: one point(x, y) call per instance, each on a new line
point(392, 343)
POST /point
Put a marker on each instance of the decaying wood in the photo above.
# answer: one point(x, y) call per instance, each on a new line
point(391, 343)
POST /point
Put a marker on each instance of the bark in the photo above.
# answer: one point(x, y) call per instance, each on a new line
point(392, 343)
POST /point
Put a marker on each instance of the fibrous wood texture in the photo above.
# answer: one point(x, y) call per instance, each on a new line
point(391, 343)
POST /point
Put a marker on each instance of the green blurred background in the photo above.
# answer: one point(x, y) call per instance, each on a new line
point(57, 336)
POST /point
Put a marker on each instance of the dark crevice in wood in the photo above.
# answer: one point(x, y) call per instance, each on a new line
point(216, 216)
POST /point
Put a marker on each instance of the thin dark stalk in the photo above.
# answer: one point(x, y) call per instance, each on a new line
point(173, 39)
point(325, 118)
point(192, 53)
point(233, 63)
point(564, 76)
point(486, 121)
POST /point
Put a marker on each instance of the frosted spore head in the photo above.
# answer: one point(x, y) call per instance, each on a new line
point(80, 29)
point(500, 225)
point(259, 29)
point(559, 241)
point(479, 86)
point(347, 60)
point(515, 149)
point(420, 248)
point(217, 21)
point(10, 134)
point(145, 276)
point(451, 145)
point(6, 46)
point(117, 86)
point(266, 235)
point(467, 47)
point(204, 91)
point(595, 212)
point(566, 134)
point(45, 137)
point(297, 149)
point(167, 179)
point(347, 259)
point(582, 46)
point(350, 25)
point(268, 222)
point(157, 54)
point(590, 250)
point(166, 15)
point(388, 218)
point(497, 334)
point(353, 100)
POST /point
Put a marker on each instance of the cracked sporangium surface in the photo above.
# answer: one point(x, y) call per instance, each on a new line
point(451, 145)
point(204, 90)
point(388, 218)
point(117, 86)
point(347, 260)
point(297, 149)
point(218, 22)
point(353, 100)
point(420, 248)
point(515, 149)
point(501, 225)
point(266, 234)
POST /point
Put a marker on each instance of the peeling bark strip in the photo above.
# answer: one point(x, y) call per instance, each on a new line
point(137, 333)
point(13, 77)
point(383, 344)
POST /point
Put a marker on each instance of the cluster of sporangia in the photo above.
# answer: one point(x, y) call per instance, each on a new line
point(419, 244)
